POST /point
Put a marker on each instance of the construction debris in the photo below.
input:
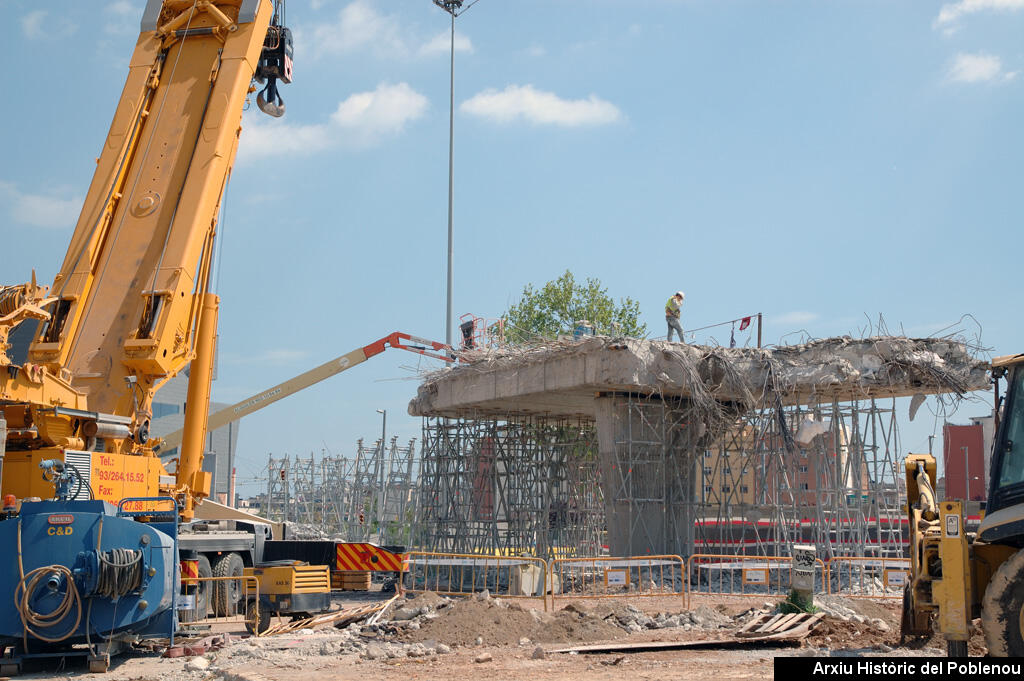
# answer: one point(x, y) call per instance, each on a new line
point(560, 378)
point(338, 618)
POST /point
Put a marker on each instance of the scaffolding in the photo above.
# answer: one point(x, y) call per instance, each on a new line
point(524, 486)
point(755, 483)
point(367, 497)
point(825, 475)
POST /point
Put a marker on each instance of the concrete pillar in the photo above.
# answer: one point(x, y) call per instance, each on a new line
point(648, 470)
point(803, 574)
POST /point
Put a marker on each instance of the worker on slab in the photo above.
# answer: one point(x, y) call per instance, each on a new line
point(672, 309)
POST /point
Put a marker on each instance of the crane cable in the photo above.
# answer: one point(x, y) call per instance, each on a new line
point(26, 587)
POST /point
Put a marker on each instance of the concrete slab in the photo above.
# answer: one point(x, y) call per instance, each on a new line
point(562, 379)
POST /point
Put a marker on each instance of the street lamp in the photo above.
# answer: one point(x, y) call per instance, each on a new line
point(383, 473)
point(454, 8)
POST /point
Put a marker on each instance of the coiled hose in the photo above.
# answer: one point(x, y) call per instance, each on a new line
point(120, 572)
point(31, 621)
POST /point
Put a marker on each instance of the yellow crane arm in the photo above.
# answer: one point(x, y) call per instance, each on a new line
point(267, 397)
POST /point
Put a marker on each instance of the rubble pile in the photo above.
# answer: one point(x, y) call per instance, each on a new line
point(496, 621)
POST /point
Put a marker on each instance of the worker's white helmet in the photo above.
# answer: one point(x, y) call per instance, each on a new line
point(681, 294)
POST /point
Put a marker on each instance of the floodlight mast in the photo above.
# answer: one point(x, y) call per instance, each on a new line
point(452, 7)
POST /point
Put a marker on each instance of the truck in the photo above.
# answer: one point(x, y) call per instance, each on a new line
point(957, 575)
point(100, 530)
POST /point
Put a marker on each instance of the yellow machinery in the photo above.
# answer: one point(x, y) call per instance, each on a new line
point(956, 576)
point(287, 588)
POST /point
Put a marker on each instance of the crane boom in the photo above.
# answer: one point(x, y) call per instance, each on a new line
point(131, 305)
point(311, 377)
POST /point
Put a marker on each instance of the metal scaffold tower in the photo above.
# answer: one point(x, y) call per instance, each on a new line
point(825, 475)
point(514, 487)
point(368, 497)
point(756, 484)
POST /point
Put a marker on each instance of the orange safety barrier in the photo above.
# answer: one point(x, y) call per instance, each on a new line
point(463, 574)
point(868, 577)
point(363, 556)
point(609, 577)
point(228, 602)
point(753, 576)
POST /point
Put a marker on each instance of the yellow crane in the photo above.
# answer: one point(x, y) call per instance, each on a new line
point(131, 305)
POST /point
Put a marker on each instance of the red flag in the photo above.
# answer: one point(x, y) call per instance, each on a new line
point(744, 323)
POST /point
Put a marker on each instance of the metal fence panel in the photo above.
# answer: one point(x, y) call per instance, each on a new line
point(612, 577)
point(459, 574)
point(229, 602)
point(753, 576)
point(868, 577)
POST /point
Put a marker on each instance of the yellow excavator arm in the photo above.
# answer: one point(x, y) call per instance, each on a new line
point(267, 397)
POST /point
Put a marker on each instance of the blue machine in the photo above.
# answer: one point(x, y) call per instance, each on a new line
point(86, 578)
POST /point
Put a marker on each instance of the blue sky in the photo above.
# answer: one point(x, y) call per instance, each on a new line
point(821, 162)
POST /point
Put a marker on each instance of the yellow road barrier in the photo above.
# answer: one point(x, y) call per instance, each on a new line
point(209, 601)
point(868, 577)
point(463, 574)
point(611, 577)
point(752, 576)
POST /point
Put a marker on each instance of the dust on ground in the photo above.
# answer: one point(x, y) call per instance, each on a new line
point(480, 637)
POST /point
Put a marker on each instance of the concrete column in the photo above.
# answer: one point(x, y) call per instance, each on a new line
point(647, 472)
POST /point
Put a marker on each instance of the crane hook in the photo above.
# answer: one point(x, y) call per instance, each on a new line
point(271, 104)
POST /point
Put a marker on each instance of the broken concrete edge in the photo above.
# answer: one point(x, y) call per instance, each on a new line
point(561, 379)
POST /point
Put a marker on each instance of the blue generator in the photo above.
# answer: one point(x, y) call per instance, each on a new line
point(86, 578)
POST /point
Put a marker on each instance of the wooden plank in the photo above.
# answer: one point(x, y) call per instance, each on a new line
point(757, 622)
point(804, 627)
point(782, 624)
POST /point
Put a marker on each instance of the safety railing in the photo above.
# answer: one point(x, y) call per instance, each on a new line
point(868, 577)
point(462, 574)
point(753, 576)
point(221, 604)
point(610, 577)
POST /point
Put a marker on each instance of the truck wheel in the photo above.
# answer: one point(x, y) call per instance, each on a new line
point(227, 594)
point(1002, 609)
point(202, 592)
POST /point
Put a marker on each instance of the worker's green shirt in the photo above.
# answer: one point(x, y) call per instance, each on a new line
point(672, 307)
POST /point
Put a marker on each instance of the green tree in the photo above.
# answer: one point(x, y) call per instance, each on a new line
point(552, 309)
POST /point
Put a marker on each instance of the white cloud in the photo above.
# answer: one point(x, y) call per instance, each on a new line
point(976, 68)
point(39, 210)
point(951, 12)
point(536, 50)
point(524, 102)
point(123, 17)
point(38, 24)
point(795, 317)
point(359, 26)
point(442, 44)
point(32, 24)
point(360, 121)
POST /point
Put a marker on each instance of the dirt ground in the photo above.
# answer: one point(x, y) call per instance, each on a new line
point(515, 642)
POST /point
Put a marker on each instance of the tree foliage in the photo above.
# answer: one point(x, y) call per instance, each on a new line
point(556, 306)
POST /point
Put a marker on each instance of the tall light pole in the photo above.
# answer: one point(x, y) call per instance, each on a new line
point(383, 473)
point(454, 8)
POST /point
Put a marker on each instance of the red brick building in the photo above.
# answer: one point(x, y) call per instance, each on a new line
point(963, 457)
